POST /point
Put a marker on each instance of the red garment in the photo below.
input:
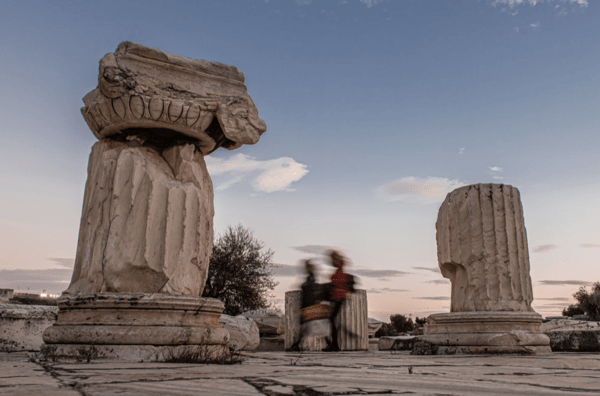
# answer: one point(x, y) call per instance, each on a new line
point(341, 285)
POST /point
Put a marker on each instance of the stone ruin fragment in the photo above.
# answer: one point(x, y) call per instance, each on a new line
point(482, 249)
point(146, 229)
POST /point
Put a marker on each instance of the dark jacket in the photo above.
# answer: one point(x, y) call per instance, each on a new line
point(311, 292)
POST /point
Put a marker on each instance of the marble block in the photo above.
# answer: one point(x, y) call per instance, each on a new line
point(243, 332)
point(269, 321)
point(396, 343)
point(352, 322)
point(22, 326)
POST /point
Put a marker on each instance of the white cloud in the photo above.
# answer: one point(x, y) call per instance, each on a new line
point(562, 13)
point(266, 176)
point(516, 30)
point(535, 25)
point(415, 189)
point(516, 3)
point(495, 168)
point(370, 3)
point(303, 2)
point(461, 150)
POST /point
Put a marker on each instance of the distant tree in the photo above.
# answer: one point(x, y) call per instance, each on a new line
point(420, 322)
point(573, 309)
point(386, 330)
point(240, 274)
point(401, 323)
point(589, 302)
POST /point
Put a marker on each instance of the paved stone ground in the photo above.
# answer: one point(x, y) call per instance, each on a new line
point(346, 373)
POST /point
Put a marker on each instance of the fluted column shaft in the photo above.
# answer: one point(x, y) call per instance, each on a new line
point(482, 249)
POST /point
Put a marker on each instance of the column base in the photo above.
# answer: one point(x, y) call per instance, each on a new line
point(486, 333)
point(135, 353)
point(136, 327)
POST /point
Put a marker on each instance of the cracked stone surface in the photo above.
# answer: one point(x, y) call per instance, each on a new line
point(314, 374)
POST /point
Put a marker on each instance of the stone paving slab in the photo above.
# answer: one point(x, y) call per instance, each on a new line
point(313, 374)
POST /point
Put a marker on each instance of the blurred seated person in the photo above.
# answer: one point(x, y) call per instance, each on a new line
point(311, 296)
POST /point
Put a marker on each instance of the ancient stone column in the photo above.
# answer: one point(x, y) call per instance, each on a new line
point(146, 229)
point(352, 320)
point(482, 249)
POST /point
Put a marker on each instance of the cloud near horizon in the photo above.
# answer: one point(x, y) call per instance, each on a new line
point(54, 281)
point(566, 282)
point(379, 274)
point(544, 248)
point(439, 281)
point(414, 189)
point(264, 176)
point(431, 269)
point(386, 290)
point(315, 249)
point(437, 298)
point(554, 299)
point(290, 270)
point(64, 262)
point(590, 245)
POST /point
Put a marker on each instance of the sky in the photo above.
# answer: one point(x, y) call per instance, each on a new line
point(375, 111)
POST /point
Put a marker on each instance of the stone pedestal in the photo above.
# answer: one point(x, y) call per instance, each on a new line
point(112, 325)
point(352, 322)
point(487, 332)
point(482, 249)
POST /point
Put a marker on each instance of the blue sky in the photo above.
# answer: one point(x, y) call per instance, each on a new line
point(375, 110)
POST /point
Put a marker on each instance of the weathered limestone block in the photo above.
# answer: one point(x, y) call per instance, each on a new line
point(482, 249)
point(271, 344)
point(374, 325)
point(569, 325)
point(573, 335)
point(21, 326)
point(269, 321)
point(145, 88)
point(5, 295)
point(397, 343)
point(574, 340)
point(243, 332)
point(352, 322)
point(147, 221)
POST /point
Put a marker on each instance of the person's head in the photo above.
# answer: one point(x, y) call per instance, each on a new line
point(337, 260)
point(309, 266)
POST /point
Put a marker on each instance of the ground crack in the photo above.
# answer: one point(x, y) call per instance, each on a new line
point(50, 370)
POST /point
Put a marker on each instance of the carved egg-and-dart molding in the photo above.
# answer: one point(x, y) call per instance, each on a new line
point(145, 89)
